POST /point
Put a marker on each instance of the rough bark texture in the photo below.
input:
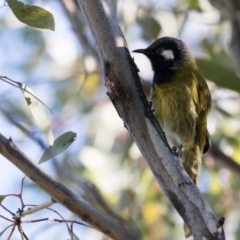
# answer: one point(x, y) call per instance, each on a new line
point(125, 91)
point(73, 12)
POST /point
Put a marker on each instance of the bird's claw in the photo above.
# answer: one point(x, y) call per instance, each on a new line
point(177, 151)
point(150, 109)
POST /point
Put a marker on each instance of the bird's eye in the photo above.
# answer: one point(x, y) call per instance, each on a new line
point(160, 50)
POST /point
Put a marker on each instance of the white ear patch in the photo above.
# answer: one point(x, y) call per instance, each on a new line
point(168, 54)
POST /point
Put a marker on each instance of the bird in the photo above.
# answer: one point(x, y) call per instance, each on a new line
point(181, 102)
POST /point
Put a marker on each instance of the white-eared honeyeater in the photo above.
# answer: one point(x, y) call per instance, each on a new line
point(181, 101)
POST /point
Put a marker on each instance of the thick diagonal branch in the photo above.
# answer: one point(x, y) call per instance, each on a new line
point(63, 195)
point(125, 91)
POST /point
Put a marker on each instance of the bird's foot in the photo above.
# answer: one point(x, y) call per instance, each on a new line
point(150, 108)
point(177, 151)
point(174, 149)
point(221, 221)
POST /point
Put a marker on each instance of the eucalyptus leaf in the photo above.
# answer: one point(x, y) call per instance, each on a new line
point(33, 16)
point(37, 111)
point(59, 145)
point(219, 74)
point(218, 67)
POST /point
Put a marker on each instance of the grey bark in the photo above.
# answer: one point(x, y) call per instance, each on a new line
point(127, 96)
point(124, 89)
point(73, 15)
point(89, 191)
point(63, 195)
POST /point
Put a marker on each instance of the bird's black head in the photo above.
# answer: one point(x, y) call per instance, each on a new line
point(167, 55)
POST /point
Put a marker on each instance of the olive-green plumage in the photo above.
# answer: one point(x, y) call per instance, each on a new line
point(181, 101)
point(181, 107)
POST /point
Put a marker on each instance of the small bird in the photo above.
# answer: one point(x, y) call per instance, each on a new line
point(181, 100)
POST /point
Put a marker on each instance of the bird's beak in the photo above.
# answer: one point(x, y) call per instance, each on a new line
point(143, 51)
point(140, 51)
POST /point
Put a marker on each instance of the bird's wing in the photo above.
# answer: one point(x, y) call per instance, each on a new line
point(156, 99)
point(203, 106)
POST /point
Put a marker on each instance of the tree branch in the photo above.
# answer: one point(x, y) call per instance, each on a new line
point(224, 160)
point(73, 13)
point(63, 195)
point(124, 89)
point(89, 192)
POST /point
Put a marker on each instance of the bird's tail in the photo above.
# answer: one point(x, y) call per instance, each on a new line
point(191, 159)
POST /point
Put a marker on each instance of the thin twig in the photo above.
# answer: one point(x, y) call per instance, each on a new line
point(11, 233)
point(63, 195)
point(7, 209)
point(6, 218)
point(35, 209)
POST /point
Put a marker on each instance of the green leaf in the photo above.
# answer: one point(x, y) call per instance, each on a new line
point(32, 15)
point(72, 234)
point(150, 27)
point(37, 111)
point(2, 198)
point(59, 145)
point(222, 76)
point(218, 67)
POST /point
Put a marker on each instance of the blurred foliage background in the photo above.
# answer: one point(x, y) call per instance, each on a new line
point(103, 165)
